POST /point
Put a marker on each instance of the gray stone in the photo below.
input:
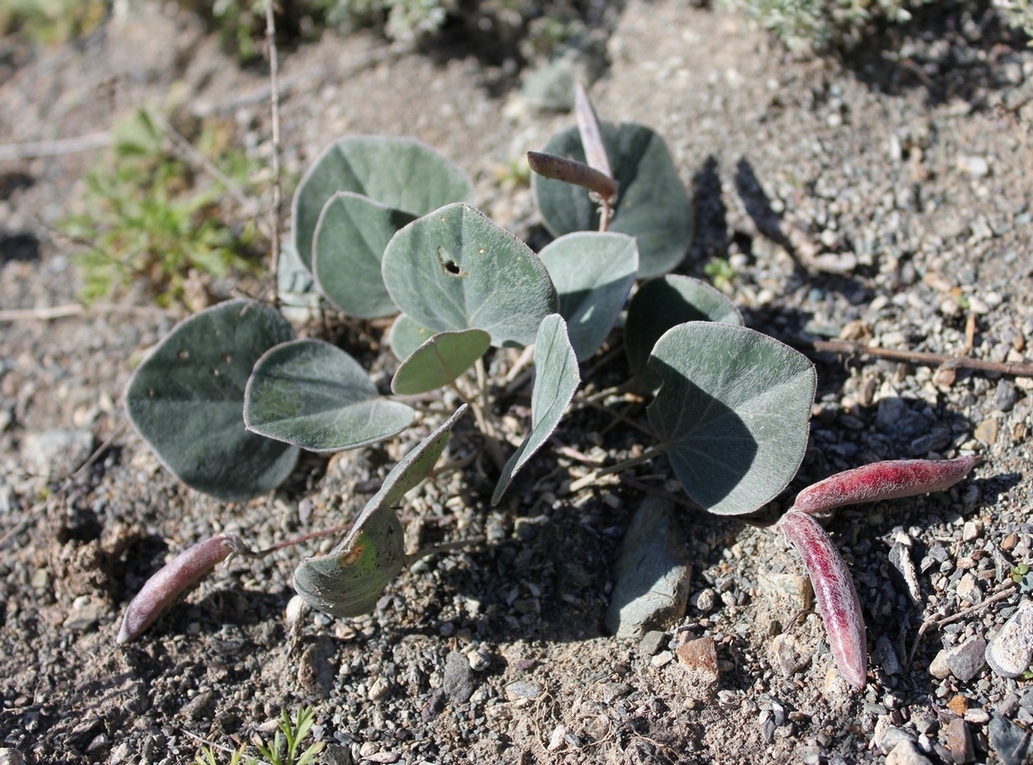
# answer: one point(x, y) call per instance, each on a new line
point(967, 660)
point(11, 757)
point(56, 452)
point(524, 689)
point(316, 671)
point(653, 574)
point(1009, 741)
point(906, 753)
point(1005, 396)
point(1010, 651)
point(459, 678)
point(788, 653)
point(651, 642)
point(83, 616)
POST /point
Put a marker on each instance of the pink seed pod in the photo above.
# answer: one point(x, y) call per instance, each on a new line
point(882, 480)
point(834, 593)
point(172, 580)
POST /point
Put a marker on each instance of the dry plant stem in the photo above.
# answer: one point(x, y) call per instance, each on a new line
point(457, 544)
point(1008, 589)
point(833, 591)
point(595, 475)
point(33, 512)
point(57, 147)
point(915, 357)
point(882, 480)
point(50, 313)
point(274, 107)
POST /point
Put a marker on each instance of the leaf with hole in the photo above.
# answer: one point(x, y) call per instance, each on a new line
point(396, 172)
point(405, 336)
point(733, 412)
point(314, 395)
point(651, 206)
point(439, 361)
point(455, 269)
point(556, 379)
point(349, 579)
point(186, 401)
point(593, 274)
point(663, 303)
point(348, 247)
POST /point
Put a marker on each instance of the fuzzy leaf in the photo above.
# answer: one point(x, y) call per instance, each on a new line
point(556, 380)
point(406, 336)
point(454, 269)
point(439, 361)
point(397, 172)
point(186, 400)
point(733, 412)
point(349, 244)
point(349, 579)
point(593, 274)
point(316, 396)
point(652, 205)
point(666, 302)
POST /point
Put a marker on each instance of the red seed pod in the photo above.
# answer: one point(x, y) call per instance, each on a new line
point(834, 593)
point(172, 580)
point(882, 480)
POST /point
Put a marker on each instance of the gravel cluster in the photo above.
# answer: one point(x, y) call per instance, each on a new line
point(883, 200)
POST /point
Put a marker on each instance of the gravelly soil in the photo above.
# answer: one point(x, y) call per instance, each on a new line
point(884, 198)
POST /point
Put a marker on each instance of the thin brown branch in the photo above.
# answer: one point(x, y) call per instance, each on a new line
point(924, 358)
point(50, 313)
point(270, 32)
point(1006, 591)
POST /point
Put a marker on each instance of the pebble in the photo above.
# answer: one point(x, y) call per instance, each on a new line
point(906, 753)
point(458, 682)
point(968, 589)
point(1009, 741)
point(788, 654)
point(11, 757)
point(479, 659)
point(651, 642)
point(83, 616)
point(1005, 396)
point(56, 452)
point(524, 689)
point(1010, 651)
point(966, 660)
point(977, 167)
point(699, 659)
point(653, 574)
point(959, 741)
point(888, 736)
point(316, 672)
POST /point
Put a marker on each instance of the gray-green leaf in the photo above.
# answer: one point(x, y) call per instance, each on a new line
point(439, 361)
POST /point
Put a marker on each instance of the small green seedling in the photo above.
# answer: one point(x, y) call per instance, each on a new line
point(386, 229)
point(285, 748)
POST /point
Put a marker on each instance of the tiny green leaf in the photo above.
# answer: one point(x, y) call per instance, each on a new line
point(314, 395)
point(455, 269)
point(439, 361)
point(406, 336)
point(397, 172)
point(186, 400)
point(733, 413)
point(593, 274)
point(663, 303)
point(556, 380)
point(350, 239)
point(651, 206)
point(349, 579)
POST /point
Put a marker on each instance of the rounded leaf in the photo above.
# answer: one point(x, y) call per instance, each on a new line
point(348, 580)
point(666, 302)
point(593, 274)
point(186, 400)
point(397, 172)
point(405, 336)
point(652, 205)
point(454, 269)
point(314, 395)
point(555, 381)
point(439, 361)
point(733, 412)
point(350, 239)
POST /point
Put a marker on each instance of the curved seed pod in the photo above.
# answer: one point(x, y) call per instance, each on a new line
point(833, 591)
point(173, 579)
point(572, 171)
point(882, 480)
